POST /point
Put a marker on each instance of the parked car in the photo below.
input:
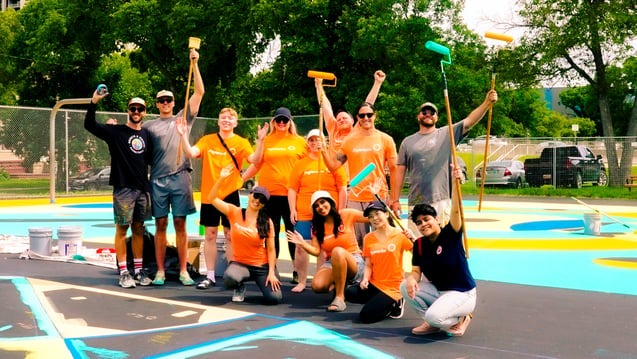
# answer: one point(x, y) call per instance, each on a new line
point(248, 184)
point(91, 180)
point(493, 141)
point(566, 166)
point(503, 173)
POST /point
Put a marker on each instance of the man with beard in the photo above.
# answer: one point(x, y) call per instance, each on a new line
point(130, 148)
point(426, 155)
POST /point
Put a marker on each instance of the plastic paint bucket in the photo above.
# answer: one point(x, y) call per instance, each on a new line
point(40, 239)
point(69, 240)
point(592, 223)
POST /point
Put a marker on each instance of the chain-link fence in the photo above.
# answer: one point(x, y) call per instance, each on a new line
point(83, 161)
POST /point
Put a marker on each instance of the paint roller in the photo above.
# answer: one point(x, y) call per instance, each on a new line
point(321, 75)
point(442, 50)
point(505, 38)
point(362, 174)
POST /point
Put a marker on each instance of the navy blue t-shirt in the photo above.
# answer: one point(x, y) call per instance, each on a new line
point(130, 149)
point(443, 262)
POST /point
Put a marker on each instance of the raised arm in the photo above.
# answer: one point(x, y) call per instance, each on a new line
point(454, 216)
point(476, 115)
point(326, 106)
point(195, 99)
point(213, 196)
point(379, 77)
point(256, 156)
point(333, 160)
point(189, 151)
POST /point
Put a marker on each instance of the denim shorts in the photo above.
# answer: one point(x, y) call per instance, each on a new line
point(304, 228)
point(173, 191)
point(360, 264)
point(131, 205)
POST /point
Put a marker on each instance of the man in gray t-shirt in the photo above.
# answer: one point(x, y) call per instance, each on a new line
point(170, 179)
point(427, 154)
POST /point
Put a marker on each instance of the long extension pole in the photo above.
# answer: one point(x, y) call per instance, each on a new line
point(325, 76)
point(193, 43)
point(445, 52)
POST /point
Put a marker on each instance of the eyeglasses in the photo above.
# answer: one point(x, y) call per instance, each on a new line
point(134, 109)
point(165, 100)
point(363, 115)
point(259, 197)
point(281, 119)
point(428, 111)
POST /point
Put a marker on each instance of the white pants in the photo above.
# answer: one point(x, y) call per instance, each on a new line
point(440, 309)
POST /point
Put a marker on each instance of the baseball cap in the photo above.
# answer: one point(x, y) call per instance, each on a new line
point(428, 104)
point(320, 194)
point(261, 190)
point(164, 93)
point(137, 100)
point(282, 112)
point(313, 133)
point(376, 205)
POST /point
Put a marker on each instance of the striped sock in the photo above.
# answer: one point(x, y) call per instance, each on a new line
point(138, 264)
point(122, 267)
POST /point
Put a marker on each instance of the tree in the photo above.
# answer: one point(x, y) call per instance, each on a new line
point(9, 27)
point(578, 41)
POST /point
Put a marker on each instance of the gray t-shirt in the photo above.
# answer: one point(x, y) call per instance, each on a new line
point(166, 145)
point(427, 158)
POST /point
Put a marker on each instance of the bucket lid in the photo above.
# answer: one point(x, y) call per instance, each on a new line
point(70, 229)
point(40, 230)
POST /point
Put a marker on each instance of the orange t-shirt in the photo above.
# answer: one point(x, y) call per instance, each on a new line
point(248, 248)
point(387, 261)
point(361, 150)
point(346, 238)
point(215, 157)
point(304, 179)
point(280, 152)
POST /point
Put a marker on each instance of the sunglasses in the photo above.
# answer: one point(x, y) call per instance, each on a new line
point(259, 197)
point(134, 109)
point(428, 111)
point(363, 115)
point(281, 120)
point(165, 100)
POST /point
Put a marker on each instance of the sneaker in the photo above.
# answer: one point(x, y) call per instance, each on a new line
point(397, 309)
point(142, 278)
point(458, 330)
point(425, 329)
point(206, 283)
point(126, 280)
point(185, 279)
point(160, 278)
point(239, 293)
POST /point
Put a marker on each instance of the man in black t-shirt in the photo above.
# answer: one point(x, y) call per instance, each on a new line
point(130, 147)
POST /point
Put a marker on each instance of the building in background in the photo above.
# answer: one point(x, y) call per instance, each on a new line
point(13, 4)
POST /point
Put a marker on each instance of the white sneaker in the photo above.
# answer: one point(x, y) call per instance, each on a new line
point(239, 293)
point(126, 280)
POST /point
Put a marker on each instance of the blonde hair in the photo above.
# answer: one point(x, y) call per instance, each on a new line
point(231, 111)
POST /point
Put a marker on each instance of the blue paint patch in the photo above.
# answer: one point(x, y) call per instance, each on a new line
point(547, 225)
point(90, 205)
point(30, 299)
point(312, 335)
point(79, 349)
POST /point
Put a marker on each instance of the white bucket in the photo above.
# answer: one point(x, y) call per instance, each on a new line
point(40, 239)
point(69, 240)
point(592, 223)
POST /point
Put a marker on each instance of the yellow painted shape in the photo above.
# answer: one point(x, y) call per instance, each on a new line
point(37, 348)
point(615, 263)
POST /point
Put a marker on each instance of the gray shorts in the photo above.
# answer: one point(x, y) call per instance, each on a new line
point(173, 192)
point(131, 205)
point(360, 264)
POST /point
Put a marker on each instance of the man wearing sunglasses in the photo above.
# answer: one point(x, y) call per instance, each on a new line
point(426, 155)
point(170, 179)
point(363, 146)
point(130, 148)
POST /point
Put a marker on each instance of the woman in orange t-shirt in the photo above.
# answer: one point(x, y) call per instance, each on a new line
point(333, 232)
point(253, 256)
point(383, 249)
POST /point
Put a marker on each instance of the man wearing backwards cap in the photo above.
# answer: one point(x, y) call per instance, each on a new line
point(170, 180)
point(130, 148)
point(426, 155)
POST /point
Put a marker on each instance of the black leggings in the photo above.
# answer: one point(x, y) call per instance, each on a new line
point(377, 304)
point(277, 208)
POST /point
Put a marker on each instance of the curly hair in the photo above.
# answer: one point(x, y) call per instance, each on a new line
point(318, 222)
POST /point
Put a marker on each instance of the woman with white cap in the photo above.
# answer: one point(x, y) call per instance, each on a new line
point(253, 256)
point(333, 232)
point(308, 175)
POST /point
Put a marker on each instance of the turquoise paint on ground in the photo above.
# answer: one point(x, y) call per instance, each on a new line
point(30, 299)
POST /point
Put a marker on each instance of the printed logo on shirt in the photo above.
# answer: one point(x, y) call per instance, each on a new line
point(136, 144)
point(375, 148)
point(439, 250)
point(216, 153)
point(291, 148)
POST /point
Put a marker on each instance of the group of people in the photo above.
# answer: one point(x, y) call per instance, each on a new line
point(303, 182)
